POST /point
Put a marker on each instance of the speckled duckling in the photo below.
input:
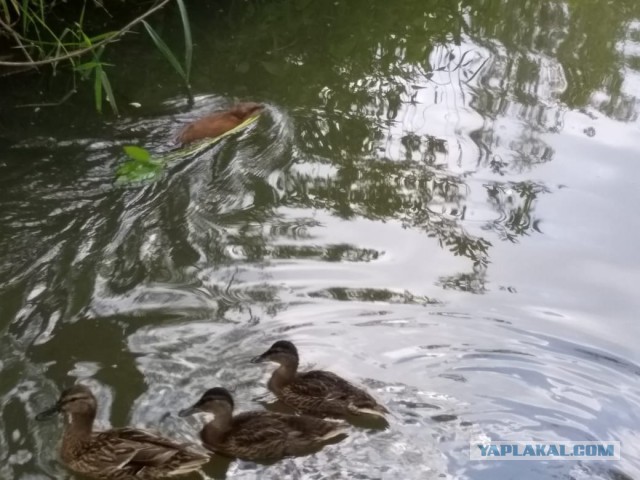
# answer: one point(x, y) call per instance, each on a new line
point(316, 392)
point(120, 453)
point(259, 435)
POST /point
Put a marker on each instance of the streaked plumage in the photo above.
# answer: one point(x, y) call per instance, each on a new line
point(259, 435)
point(120, 453)
point(316, 392)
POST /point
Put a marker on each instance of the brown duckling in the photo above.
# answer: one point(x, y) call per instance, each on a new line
point(316, 392)
point(259, 435)
point(120, 453)
point(221, 122)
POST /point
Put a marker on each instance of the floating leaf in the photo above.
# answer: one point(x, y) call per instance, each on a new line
point(138, 154)
point(134, 171)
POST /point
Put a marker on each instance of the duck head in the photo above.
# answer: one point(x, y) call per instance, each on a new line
point(75, 401)
point(215, 400)
point(282, 352)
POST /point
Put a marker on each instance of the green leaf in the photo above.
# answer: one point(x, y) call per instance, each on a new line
point(91, 65)
point(97, 87)
point(133, 171)
point(87, 42)
point(81, 20)
point(102, 36)
point(166, 51)
point(86, 66)
point(108, 91)
point(26, 15)
point(138, 154)
point(4, 8)
point(188, 40)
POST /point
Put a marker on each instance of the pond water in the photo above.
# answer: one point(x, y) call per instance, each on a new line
point(439, 203)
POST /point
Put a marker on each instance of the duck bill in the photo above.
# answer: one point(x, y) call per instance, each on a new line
point(48, 413)
point(187, 412)
point(259, 359)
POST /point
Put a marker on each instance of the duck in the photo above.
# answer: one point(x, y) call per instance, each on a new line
point(259, 435)
point(316, 392)
point(214, 125)
point(119, 453)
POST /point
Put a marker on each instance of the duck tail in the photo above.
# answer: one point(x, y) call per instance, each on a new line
point(189, 466)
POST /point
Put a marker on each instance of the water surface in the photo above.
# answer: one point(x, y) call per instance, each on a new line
point(439, 203)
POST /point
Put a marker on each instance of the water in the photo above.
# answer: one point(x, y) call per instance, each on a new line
point(439, 204)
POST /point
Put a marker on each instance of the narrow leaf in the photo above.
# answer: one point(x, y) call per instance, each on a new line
point(87, 66)
point(87, 40)
point(188, 40)
point(5, 10)
point(108, 91)
point(102, 36)
point(166, 51)
point(97, 87)
point(26, 14)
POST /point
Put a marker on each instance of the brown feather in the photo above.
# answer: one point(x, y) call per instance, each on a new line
point(121, 453)
point(316, 392)
point(260, 435)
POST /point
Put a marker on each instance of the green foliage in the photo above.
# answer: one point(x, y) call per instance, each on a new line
point(140, 167)
point(137, 154)
point(58, 33)
point(184, 72)
point(188, 40)
point(101, 84)
point(166, 51)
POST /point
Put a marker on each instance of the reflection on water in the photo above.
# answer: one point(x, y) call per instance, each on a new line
point(438, 204)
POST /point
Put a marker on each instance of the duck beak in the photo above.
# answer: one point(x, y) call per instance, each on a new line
point(188, 411)
point(259, 359)
point(48, 413)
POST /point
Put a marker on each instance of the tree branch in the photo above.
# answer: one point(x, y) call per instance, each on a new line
point(81, 51)
point(18, 38)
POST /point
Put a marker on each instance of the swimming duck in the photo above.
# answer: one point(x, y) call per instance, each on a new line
point(259, 435)
point(120, 453)
point(221, 122)
point(316, 392)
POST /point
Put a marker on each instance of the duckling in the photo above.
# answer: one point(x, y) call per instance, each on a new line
point(120, 453)
point(215, 125)
point(259, 435)
point(317, 392)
